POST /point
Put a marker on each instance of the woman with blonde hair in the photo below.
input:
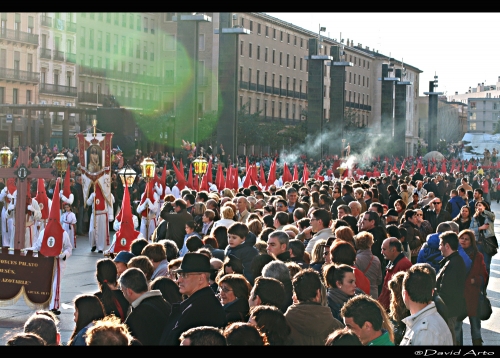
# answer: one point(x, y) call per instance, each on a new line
point(227, 193)
point(318, 255)
point(255, 226)
point(227, 213)
point(368, 263)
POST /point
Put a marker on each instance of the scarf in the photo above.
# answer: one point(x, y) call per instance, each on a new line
point(470, 251)
point(338, 296)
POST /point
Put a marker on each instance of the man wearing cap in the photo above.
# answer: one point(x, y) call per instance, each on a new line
point(391, 217)
point(201, 308)
point(121, 260)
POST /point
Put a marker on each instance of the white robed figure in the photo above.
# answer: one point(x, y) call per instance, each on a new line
point(102, 213)
point(7, 195)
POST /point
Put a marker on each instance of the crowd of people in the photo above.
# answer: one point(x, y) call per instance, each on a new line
point(396, 259)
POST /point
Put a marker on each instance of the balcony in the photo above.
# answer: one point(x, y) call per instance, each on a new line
point(119, 75)
point(71, 27)
point(92, 97)
point(57, 89)
point(19, 36)
point(58, 55)
point(46, 21)
point(137, 102)
point(70, 57)
point(10, 74)
point(46, 53)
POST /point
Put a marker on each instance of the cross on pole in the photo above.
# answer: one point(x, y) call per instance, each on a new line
point(22, 173)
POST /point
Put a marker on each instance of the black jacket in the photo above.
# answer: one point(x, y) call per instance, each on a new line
point(176, 226)
point(237, 311)
point(334, 208)
point(202, 308)
point(246, 253)
point(284, 256)
point(433, 218)
point(450, 285)
point(147, 321)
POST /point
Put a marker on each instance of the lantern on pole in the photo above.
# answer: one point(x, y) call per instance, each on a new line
point(127, 176)
point(200, 168)
point(5, 157)
point(61, 163)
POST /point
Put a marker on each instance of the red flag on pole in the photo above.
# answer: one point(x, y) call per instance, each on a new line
point(204, 183)
point(305, 174)
point(272, 174)
point(235, 179)
point(219, 178)
point(295, 173)
point(228, 182)
point(287, 176)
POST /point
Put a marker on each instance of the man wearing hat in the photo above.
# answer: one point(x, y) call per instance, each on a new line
point(121, 260)
point(201, 308)
point(391, 217)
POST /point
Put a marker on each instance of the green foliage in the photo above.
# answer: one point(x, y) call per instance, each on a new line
point(207, 127)
point(154, 125)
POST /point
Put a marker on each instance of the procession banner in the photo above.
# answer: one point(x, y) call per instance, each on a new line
point(27, 276)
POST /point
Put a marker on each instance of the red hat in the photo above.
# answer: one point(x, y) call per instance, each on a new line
point(52, 242)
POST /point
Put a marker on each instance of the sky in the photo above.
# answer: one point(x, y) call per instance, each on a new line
point(461, 48)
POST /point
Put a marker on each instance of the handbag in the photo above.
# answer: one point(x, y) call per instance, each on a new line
point(490, 244)
point(484, 309)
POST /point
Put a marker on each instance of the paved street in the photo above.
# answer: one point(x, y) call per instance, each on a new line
point(79, 278)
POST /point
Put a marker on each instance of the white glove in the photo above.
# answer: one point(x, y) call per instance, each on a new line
point(10, 196)
point(92, 196)
point(30, 208)
point(62, 256)
point(11, 207)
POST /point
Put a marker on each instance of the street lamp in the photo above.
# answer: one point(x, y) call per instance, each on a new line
point(148, 172)
point(200, 168)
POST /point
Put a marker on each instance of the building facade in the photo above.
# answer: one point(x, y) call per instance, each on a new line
point(19, 76)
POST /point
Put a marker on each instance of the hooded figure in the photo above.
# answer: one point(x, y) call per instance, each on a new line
point(147, 209)
point(127, 233)
point(45, 204)
point(8, 196)
point(54, 241)
point(66, 195)
point(33, 214)
point(102, 213)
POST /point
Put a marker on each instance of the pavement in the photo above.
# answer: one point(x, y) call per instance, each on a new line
point(79, 278)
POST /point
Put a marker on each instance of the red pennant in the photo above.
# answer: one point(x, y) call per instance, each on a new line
point(52, 242)
point(305, 174)
point(190, 181)
point(287, 176)
point(235, 185)
point(262, 176)
point(42, 199)
point(272, 174)
point(295, 173)
point(219, 178)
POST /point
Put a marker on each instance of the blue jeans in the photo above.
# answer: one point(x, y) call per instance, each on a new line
point(475, 330)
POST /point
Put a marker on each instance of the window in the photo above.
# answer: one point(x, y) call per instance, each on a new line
point(363, 81)
point(258, 52)
point(99, 62)
point(2, 95)
point(265, 54)
point(117, 18)
point(82, 37)
point(169, 43)
point(241, 48)
point(108, 41)
point(300, 86)
point(286, 110)
point(146, 24)
point(287, 60)
point(30, 24)
point(280, 109)
point(359, 80)
point(91, 64)
point(249, 75)
point(287, 38)
point(274, 56)
point(151, 51)
point(152, 26)
point(201, 42)
point(131, 47)
point(249, 50)
point(28, 96)
point(274, 34)
point(131, 21)
point(363, 63)
point(350, 77)
point(281, 58)
point(300, 64)
point(92, 16)
point(267, 31)
point(258, 29)
point(257, 105)
point(354, 78)
point(15, 98)
point(138, 23)
point(258, 80)
point(368, 82)
point(241, 73)
point(368, 65)
point(251, 25)
point(242, 22)
point(115, 44)
point(281, 38)
point(272, 109)
point(99, 40)
point(124, 20)
point(29, 65)
point(301, 42)
point(108, 17)
point(294, 62)
point(138, 49)
point(91, 39)
point(145, 50)
point(265, 108)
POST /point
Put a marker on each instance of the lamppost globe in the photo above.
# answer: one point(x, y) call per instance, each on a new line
point(127, 176)
point(5, 157)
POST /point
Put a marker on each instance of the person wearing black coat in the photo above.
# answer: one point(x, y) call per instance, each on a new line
point(244, 251)
point(201, 308)
point(149, 311)
point(177, 222)
point(450, 282)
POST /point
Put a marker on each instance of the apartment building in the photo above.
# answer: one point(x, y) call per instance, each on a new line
point(19, 77)
point(483, 114)
point(479, 91)
point(117, 56)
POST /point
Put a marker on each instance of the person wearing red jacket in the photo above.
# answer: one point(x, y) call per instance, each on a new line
point(477, 277)
point(392, 249)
